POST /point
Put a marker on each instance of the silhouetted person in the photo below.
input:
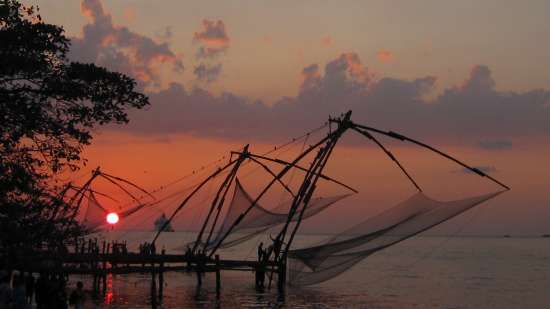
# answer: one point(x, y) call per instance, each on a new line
point(260, 276)
point(52, 288)
point(29, 285)
point(261, 251)
point(77, 297)
point(277, 244)
point(58, 297)
point(200, 258)
point(260, 271)
point(188, 257)
point(41, 295)
point(19, 293)
point(6, 294)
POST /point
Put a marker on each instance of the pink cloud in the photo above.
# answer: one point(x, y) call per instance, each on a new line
point(213, 42)
point(212, 36)
point(119, 48)
point(326, 41)
point(354, 67)
point(384, 56)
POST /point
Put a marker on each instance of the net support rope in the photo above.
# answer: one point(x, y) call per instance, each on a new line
point(259, 219)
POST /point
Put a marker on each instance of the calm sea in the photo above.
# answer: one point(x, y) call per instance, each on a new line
point(423, 272)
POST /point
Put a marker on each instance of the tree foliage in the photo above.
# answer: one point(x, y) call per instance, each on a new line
point(48, 107)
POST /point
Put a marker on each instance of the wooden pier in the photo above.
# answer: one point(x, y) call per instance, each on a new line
point(89, 260)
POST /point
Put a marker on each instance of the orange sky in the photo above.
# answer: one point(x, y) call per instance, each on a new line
point(461, 75)
point(155, 162)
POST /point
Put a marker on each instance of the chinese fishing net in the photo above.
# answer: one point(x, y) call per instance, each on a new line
point(337, 254)
point(95, 215)
point(259, 219)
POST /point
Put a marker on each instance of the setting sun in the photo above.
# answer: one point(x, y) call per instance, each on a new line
point(112, 218)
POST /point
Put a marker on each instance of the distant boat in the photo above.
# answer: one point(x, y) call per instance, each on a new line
point(506, 236)
point(546, 235)
point(159, 223)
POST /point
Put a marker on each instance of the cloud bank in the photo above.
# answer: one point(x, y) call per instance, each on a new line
point(473, 111)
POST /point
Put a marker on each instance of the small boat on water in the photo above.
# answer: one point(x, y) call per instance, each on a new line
point(161, 221)
point(545, 236)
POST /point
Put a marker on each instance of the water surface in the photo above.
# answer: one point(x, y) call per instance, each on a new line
point(423, 272)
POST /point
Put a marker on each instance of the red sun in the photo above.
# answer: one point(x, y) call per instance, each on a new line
point(112, 218)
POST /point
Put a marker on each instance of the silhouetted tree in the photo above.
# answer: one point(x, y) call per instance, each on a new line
point(48, 105)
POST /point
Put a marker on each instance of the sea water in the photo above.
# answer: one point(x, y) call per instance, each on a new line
point(422, 272)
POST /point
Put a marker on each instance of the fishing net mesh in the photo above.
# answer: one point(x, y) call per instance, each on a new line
point(259, 219)
point(131, 211)
point(339, 253)
point(95, 214)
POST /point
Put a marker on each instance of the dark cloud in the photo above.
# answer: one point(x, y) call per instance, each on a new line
point(207, 73)
point(213, 41)
point(198, 112)
point(212, 33)
point(119, 48)
point(311, 77)
point(212, 38)
point(473, 110)
point(495, 144)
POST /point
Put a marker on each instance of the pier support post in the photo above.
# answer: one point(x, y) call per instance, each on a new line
point(218, 276)
point(161, 275)
point(104, 268)
point(153, 282)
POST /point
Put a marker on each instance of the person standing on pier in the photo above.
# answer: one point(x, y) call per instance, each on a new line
point(29, 284)
point(77, 296)
point(200, 259)
point(19, 293)
point(260, 268)
point(6, 294)
point(41, 291)
point(260, 252)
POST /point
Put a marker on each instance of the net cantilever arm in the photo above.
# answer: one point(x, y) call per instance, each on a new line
point(421, 144)
point(282, 162)
point(390, 155)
